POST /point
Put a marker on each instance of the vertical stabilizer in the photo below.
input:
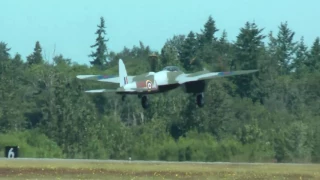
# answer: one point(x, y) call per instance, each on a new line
point(122, 73)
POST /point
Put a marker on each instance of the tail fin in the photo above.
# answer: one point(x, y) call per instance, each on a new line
point(123, 76)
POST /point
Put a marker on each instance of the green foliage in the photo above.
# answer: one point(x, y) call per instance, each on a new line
point(315, 142)
point(101, 53)
point(31, 144)
point(302, 56)
point(268, 116)
point(36, 56)
point(285, 48)
point(248, 50)
point(314, 62)
point(188, 51)
point(4, 51)
point(207, 36)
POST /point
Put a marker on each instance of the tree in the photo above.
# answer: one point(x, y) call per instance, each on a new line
point(286, 48)
point(297, 142)
point(61, 60)
point(169, 55)
point(207, 36)
point(11, 113)
point(314, 61)
point(302, 56)
point(4, 51)
point(248, 49)
point(48, 99)
point(225, 50)
point(188, 51)
point(223, 38)
point(36, 56)
point(177, 42)
point(171, 51)
point(101, 53)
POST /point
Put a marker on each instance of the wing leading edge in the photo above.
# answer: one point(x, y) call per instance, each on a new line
point(123, 90)
point(104, 78)
point(109, 90)
point(205, 75)
point(134, 87)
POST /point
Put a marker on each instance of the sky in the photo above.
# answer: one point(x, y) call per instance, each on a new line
point(67, 27)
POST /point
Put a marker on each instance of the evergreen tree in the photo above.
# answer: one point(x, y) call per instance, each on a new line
point(17, 57)
point(36, 56)
point(286, 48)
point(17, 60)
point(4, 51)
point(101, 53)
point(314, 62)
point(188, 51)
point(207, 36)
point(248, 47)
point(302, 55)
point(223, 38)
point(272, 65)
point(225, 50)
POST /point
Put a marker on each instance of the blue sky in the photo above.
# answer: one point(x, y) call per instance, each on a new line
point(69, 25)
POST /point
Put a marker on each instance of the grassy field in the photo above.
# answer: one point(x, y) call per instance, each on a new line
point(68, 169)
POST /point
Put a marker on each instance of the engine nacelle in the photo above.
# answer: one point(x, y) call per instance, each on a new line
point(194, 86)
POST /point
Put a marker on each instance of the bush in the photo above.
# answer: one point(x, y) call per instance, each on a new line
point(31, 144)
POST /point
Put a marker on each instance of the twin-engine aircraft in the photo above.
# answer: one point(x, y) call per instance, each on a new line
point(158, 82)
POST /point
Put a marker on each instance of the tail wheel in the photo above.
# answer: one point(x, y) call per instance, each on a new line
point(200, 100)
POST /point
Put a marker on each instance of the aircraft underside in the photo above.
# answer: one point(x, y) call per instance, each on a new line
point(145, 100)
point(197, 88)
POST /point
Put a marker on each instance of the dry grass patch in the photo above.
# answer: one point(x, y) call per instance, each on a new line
point(67, 169)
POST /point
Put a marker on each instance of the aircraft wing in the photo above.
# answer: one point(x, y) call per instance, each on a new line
point(103, 78)
point(136, 87)
point(100, 90)
point(204, 75)
point(122, 90)
point(110, 90)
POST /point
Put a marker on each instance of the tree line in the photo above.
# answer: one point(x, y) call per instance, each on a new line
point(272, 115)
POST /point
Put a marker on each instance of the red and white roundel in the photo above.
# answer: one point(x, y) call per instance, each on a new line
point(149, 84)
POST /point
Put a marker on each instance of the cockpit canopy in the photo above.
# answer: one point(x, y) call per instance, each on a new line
point(171, 68)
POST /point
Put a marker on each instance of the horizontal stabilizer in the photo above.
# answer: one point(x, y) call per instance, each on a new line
point(95, 77)
point(104, 78)
point(101, 90)
point(119, 90)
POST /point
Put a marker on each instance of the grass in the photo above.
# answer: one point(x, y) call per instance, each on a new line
point(66, 169)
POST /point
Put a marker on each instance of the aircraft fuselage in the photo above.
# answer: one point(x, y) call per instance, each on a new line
point(162, 81)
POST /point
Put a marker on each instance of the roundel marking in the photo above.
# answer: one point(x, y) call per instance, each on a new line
point(149, 84)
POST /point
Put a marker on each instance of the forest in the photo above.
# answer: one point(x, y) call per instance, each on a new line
point(272, 115)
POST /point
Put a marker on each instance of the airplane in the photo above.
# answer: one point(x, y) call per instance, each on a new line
point(169, 78)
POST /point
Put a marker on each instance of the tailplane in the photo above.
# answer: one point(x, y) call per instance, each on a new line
point(123, 76)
